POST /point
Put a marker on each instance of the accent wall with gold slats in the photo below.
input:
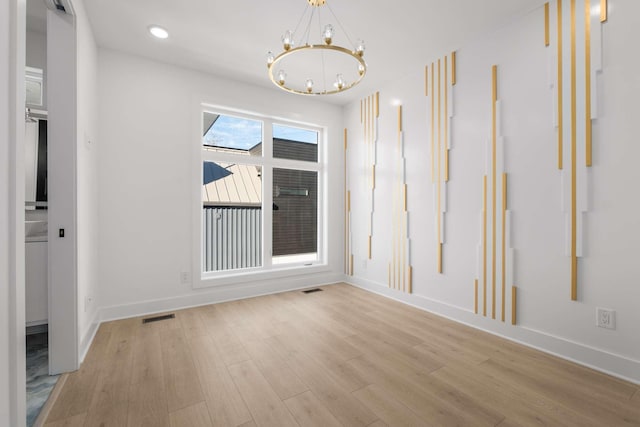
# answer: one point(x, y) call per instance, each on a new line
point(494, 273)
point(573, 34)
point(369, 116)
point(348, 252)
point(440, 79)
point(400, 269)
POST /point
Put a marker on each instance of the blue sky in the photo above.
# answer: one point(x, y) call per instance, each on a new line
point(234, 132)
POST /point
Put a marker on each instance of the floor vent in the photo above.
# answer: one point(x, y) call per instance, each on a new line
point(310, 291)
point(158, 318)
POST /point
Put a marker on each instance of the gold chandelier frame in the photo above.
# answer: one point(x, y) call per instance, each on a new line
point(357, 55)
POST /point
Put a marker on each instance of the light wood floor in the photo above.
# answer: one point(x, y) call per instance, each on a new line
point(338, 357)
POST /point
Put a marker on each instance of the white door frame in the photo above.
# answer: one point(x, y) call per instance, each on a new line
point(12, 320)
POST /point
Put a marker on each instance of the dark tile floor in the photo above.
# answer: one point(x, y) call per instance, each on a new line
point(39, 382)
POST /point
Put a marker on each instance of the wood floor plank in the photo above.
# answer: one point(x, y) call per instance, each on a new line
point(110, 400)
point(75, 421)
point(321, 351)
point(636, 397)
point(284, 382)
point(231, 349)
point(582, 401)
point(517, 402)
point(264, 404)
point(75, 397)
point(226, 406)
point(378, 423)
point(385, 406)
point(409, 356)
point(147, 393)
point(345, 407)
point(182, 383)
point(191, 322)
point(309, 411)
point(192, 416)
point(420, 402)
point(518, 355)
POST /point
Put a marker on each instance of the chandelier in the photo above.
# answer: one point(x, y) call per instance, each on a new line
point(311, 65)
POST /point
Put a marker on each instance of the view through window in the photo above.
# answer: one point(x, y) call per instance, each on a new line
point(236, 167)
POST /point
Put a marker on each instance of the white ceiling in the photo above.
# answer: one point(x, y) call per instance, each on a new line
point(230, 38)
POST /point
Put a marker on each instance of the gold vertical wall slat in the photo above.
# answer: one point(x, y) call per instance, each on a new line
point(559, 88)
point(377, 104)
point(351, 266)
point(504, 242)
point(514, 300)
point(361, 108)
point(349, 201)
point(453, 68)
point(433, 131)
point(373, 177)
point(475, 296)
point(484, 245)
point(399, 119)
point(369, 250)
point(410, 281)
point(446, 121)
point(574, 213)
point(426, 80)
point(587, 75)
point(438, 177)
point(404, 197)
point(603, 10)
point(494, 95)
point(546, 24)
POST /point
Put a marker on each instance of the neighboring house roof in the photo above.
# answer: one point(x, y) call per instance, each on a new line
point(243, 187)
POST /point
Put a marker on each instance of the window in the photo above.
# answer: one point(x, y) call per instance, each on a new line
point(260, 185)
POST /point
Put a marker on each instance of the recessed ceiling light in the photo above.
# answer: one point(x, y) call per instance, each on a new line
point(158, 31)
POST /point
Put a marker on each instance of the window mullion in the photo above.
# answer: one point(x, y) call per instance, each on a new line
point(267, 194)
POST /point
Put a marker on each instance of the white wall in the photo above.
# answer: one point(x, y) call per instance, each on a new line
point(87, 179)
point(12, 343)
point(36, 57)
point(147, 111)
point(608, 275)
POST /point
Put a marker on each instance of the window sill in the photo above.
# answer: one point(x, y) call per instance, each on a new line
point(209, 280)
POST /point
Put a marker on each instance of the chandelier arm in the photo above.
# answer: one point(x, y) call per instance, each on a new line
point(307, 30)
point(301, 18)
point(340, 25)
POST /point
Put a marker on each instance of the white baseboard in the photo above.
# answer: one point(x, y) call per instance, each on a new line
point(215, 295)
point(88, 337)
point(594, 358)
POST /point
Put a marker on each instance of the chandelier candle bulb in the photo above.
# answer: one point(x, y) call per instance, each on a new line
point(309, 85)
point(270, 58)
point(360, 48)
point(287, 40)
point(328, 34)
point(282, 76)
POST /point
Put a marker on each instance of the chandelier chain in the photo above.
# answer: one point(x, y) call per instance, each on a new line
point(340, 25)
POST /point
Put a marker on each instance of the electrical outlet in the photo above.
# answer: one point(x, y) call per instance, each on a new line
point(185, 277)
point(605, 318)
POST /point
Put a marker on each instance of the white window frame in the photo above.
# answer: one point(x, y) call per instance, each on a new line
point(268, 270)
